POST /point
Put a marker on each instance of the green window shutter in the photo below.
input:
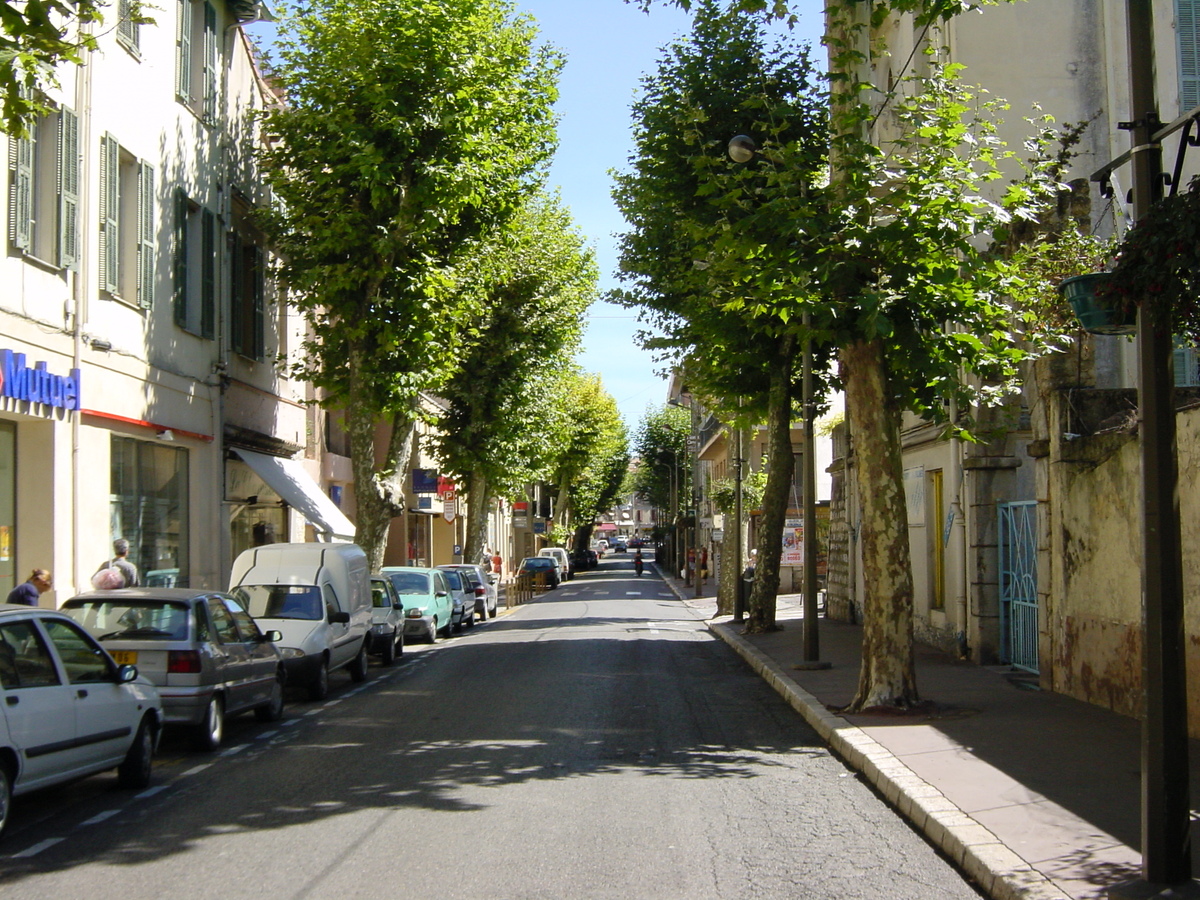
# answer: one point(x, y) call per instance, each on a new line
point(20, 216)
point(110, 208)
point(179, 260)
point(145, 228)
point(259, 286)
point(208, 276)
point(1184, 362)
point(237, 296)
point(212, 48)
point(1187, 38)
point(68, 189)
point(127, 29)
point(183, 51)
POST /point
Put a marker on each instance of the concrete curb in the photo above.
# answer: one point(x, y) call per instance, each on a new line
point(998, 871)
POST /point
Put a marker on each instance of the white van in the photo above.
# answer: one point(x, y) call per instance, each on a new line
point(559, 555)
point(319, 597)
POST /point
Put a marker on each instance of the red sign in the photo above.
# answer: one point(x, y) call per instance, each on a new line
point(521, 506)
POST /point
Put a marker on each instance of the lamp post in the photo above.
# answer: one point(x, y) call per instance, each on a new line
point(742, 149)
point(739, 597)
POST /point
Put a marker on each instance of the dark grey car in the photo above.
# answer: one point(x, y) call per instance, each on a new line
point(202, 650)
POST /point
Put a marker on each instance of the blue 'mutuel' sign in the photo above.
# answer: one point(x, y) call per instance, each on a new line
point(36, 384)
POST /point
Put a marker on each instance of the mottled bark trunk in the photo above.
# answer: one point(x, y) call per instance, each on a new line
point(479, 505)
point(888, 676)
point(781, 463)
point(377, 490)
point(731, 569)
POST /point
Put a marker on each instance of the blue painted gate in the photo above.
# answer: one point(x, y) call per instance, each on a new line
point(1018, 584)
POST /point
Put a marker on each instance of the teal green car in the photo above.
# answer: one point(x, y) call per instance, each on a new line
point(428, 603)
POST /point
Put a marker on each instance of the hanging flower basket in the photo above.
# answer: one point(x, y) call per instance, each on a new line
point(1098, 311)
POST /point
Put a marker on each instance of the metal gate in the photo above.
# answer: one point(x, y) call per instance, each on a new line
point(1018, 584)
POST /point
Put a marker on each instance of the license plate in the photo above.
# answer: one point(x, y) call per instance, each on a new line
point(125, 657)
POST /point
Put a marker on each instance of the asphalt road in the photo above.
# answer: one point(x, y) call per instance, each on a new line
point(595, 743)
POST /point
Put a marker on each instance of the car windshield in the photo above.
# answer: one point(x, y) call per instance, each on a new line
point(136, 620)
point(281, 601)
point(454, 580)
point(538, 562)
point(409, 582)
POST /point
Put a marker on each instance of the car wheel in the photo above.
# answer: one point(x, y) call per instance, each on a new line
point(491, 613)
point(470, 623)
point(433, 632)
point(388, 656)
point(5, 796)
point(358, 665)
point(212, 728)
point(400, 642)
point(318, 688)
point(448, 628)
point(272, 711)
point(134, 770)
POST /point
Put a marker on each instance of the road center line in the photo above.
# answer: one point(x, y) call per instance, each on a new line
point(37, 848)
point(98, 818)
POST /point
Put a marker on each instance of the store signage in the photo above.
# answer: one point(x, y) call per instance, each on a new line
point(37, 384)
point(425, 481)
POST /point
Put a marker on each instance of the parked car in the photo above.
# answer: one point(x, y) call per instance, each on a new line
point(582, 559)
point(560, 556)
point(428, 606)
point(386, 638)
point(69, 709)
point(201, 649)
point(482, 586)
point(540, 565)
point(463, 595)
point(319, 597)
point(636, 543)
point(620, 546)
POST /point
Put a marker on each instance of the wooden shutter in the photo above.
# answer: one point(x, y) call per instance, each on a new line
point(183, 51)
point(1187, 38)
point(237, 291)
point(20, 214)
point(208, 275)
point(259, 287)
point(145, 229)
point(179, 259)
point(68, 189)
point(212, 48)
point(127, 29)
point(110, 214)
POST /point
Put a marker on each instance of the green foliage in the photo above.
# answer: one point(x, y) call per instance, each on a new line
point(723, 492)
point(595, 456)
point(35, 38)
point(660, 447)
point(1158, 263)
point(531, 283)
point(412, 128)
point(712, 278)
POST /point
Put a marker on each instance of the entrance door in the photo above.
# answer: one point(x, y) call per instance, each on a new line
point(1018, 585)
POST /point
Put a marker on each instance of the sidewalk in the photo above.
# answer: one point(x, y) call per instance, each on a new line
point(1033, 794)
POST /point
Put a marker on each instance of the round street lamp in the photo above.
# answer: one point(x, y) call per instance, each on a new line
point(742, 148)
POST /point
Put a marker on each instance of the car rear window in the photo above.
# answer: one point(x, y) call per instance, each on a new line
point(131, 620)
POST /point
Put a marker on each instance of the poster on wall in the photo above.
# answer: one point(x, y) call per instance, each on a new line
point(793, 542)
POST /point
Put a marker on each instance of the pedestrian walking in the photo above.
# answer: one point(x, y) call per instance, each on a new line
point(105, 580)
point(29, 592)
point(497, 564)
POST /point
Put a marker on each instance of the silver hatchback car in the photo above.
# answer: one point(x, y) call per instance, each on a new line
point(202, 650)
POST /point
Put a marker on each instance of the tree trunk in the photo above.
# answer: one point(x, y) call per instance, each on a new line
point(782, 464)
point(730, 571)
point(479, 504)
point(888, 675)
point(377, 491)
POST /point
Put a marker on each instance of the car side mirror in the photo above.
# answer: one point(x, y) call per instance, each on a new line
point(398, 605)
point(272, 636)
point(339, 618)
point(441, 593)
point(126, 674)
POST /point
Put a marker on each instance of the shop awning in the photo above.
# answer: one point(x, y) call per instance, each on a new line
point(301, 492)
point(606, 526)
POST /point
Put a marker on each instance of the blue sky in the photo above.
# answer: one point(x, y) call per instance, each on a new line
point(609, 45)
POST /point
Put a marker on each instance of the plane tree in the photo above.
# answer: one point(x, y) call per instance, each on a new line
point(737, 335)
point(532, 281)
point(410, 130)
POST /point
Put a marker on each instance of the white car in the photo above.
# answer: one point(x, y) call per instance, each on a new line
point(386, 638)
point(69, 710)
point(483, 587)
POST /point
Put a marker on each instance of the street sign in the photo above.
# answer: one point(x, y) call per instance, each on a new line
point(539, 527)
point(449, 506)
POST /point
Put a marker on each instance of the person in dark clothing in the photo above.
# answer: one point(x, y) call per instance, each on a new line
point(122, 564)
point(29, 592)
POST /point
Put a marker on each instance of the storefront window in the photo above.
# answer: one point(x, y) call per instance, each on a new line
point(149, 508)
point(258, 516)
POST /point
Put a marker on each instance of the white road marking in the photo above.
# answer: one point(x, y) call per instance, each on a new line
point(633, 593)
point(150, 792)
point(230, 751)
point(266, 735)
point(37, 848)
point(98, 818)
point(195, 770)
